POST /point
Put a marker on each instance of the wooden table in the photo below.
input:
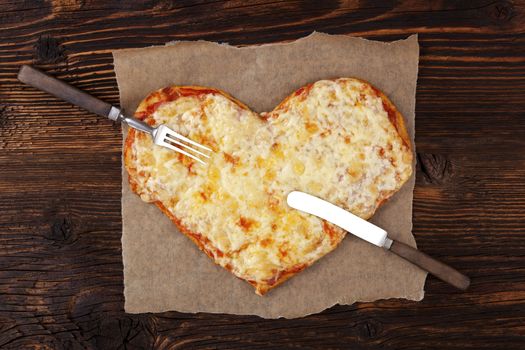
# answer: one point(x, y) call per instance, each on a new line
point(60, 226)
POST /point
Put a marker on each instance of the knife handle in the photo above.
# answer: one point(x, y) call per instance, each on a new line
point(443, 272)
point(60, 89)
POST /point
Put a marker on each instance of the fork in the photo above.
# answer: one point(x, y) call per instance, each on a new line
point(162, 135)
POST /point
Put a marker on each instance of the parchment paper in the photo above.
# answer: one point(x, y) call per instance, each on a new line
point(164, 270)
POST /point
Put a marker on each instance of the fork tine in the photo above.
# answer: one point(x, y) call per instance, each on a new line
point(171, 139)
point(170, 146)
point(174, 135)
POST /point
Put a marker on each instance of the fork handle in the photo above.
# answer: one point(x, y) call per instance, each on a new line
point(60, 89)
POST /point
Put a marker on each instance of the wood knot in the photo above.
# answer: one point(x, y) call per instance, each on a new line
point(62, 230)
point(369, 329)
point(6, 324)
point(435, 168)
point(501, 11)
point(48, 50)
point(137, 332)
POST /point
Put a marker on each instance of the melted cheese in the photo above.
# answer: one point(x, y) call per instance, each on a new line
point(333, 140)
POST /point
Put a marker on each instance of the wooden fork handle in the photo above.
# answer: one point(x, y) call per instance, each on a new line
point(60, 89)
point(442, 271)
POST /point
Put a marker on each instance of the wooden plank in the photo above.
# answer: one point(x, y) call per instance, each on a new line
point(60, 253)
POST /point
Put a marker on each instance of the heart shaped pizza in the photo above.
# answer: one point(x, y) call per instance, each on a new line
point(341, 140)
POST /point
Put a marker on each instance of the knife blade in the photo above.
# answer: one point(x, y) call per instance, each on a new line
point(373, 234)
point(338, 216)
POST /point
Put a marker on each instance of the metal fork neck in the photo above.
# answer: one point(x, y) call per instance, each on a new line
point(137, 124)
point(116, 115)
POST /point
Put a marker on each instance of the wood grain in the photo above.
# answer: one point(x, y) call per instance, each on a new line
point(60, 226)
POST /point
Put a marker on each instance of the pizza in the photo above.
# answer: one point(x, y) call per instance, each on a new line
point(341, 140)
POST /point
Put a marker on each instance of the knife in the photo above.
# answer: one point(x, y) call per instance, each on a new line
point(375, 235)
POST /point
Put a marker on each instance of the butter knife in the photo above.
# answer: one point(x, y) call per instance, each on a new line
point(375, 235)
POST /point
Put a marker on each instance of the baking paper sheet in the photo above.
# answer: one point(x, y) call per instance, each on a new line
point(164, 270)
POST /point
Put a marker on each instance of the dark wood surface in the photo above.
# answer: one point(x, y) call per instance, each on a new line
point(60, 225)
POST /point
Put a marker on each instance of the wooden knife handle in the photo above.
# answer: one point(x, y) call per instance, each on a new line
point(39, 80)
point(436, 268)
